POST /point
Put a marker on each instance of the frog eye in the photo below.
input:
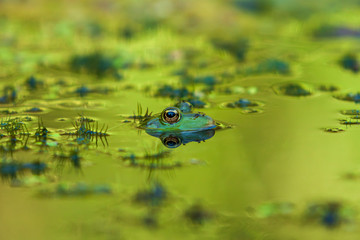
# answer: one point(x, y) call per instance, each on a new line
point(172, 142)
point(171, 115)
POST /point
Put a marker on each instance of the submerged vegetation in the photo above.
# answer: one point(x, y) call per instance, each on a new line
point(88, 130)
point(77, 190)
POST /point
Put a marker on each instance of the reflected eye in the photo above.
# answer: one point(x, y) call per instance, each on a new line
point(171, 115)
point(172, 142)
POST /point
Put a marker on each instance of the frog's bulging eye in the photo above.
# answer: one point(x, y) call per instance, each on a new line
point(172, 142)
point(171, 115)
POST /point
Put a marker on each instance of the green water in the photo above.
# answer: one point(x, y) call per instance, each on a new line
point(281, 154)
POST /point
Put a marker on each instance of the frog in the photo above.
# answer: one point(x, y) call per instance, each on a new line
point(179, 125)
point(178, 119)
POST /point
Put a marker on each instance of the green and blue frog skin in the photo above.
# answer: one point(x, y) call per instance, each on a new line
point(179, 125)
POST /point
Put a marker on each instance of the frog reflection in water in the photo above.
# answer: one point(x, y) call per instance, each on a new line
point(178, 125)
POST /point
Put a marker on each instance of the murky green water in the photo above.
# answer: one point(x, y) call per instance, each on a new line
point(275, 174)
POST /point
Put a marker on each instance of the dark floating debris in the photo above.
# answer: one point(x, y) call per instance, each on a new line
point(128, 32)
point(11, 170)
point(329, 214)
point(35, 167)
point(8, 112)
point(350, 62)
point(354, 116)
point(77, 190)
point(84, 91)
point(294, 89)
point(251, 110)
point(198, 214)
point(151, 164)
point(328, 88)
point(351, 112)
point(33, 83)
point(333, 130)
point(351, 176)
point(184, 74)
point(61, 119)
point(152, 160)
point(197, 103)
point(174, 93)
point(83, 118)
point(349, 122)
point(94, 63)
point(9, 95)
point(155, 196)
point(243, 103)
point(329, 31)
point(207, 80)
point(352, 97)
point(247, 106)
point(33, 110)
point(274, 66)
point(237, 46)
point(150, 220)
point(158, 154)
point(254, 6)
